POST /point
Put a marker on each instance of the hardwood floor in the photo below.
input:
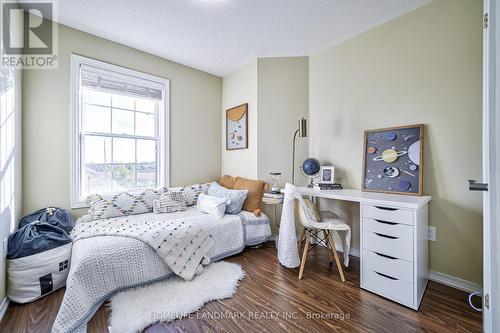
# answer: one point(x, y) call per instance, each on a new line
point(272, 299)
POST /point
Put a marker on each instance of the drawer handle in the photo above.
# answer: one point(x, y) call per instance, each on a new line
point(386, 276)
point(385, 222)
point(386, 208)
point(385, 256)
point(386, 236)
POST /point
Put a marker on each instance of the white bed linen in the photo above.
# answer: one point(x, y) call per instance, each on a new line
point(102, 266)
point(256, 229)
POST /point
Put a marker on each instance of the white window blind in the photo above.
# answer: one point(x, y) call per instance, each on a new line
point(110, 81)
point(120, 132)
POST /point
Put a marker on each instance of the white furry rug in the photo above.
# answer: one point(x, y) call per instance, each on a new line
point(135, 309)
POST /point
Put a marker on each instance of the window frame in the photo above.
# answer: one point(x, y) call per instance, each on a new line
point(76, 148)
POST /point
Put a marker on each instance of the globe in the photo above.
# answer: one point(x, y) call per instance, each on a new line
point(311, 167)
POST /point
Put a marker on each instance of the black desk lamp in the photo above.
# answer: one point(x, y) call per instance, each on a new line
point(302, 132)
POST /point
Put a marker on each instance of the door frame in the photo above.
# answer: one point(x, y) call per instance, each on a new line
point(491, 163)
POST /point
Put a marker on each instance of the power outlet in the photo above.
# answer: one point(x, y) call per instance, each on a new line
point(431, 233)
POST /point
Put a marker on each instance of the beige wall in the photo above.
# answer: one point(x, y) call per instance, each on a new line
point(238, 88)
point(283, 100)
point(276, 92)
point(195, 128)
point(10, 161)
point(424, 67)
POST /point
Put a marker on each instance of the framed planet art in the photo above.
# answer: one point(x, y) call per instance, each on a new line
point(237, 127)
point(393, 160)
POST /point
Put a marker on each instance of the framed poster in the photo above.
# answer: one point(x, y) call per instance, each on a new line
point(393, 160)
point(237, 127)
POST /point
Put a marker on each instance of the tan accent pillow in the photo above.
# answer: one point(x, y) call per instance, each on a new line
point(227, 181)
point(313, 209)
point(255, 192)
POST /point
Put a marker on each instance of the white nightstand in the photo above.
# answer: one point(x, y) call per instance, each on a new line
point(275, 206)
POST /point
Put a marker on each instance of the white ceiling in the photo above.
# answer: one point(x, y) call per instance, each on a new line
point(219, 36)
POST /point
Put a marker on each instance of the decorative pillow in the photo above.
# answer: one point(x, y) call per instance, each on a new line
point(124, 203)
point(191, 192)
point(313, 210)
point(170, 202)
point(227, 181)
point(212, 205)
point(237, 197)
point(255, 192)
point(137, 202)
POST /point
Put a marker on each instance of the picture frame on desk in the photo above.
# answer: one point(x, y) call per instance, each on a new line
point(327, 175)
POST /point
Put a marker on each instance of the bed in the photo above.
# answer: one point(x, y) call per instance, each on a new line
point(105, 265)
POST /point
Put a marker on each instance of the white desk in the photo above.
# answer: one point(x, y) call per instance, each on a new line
point(393, 246)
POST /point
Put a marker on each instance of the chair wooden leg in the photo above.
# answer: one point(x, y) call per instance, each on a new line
point(337, 260)
point(301, 238)
point(304, 255)
point(327, 243)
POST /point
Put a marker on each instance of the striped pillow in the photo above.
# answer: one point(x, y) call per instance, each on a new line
point(172, 201)
point(236, 197)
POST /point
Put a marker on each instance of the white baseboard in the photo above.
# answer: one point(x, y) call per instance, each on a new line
point(3, 307)
point(454, 282)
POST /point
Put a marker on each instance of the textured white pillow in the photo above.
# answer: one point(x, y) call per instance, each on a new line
point(212, 205)
point(170, 202)
point(191, 192)
point(137, 202)
point(124, 203)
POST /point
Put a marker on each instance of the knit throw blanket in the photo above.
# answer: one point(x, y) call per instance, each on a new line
point(182, 243)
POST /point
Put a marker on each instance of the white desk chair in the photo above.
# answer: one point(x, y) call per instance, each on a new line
point(330, 222)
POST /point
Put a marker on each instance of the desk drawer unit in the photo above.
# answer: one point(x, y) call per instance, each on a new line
point(390, 267)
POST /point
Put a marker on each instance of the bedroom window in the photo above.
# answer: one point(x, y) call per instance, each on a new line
point(119, 130)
